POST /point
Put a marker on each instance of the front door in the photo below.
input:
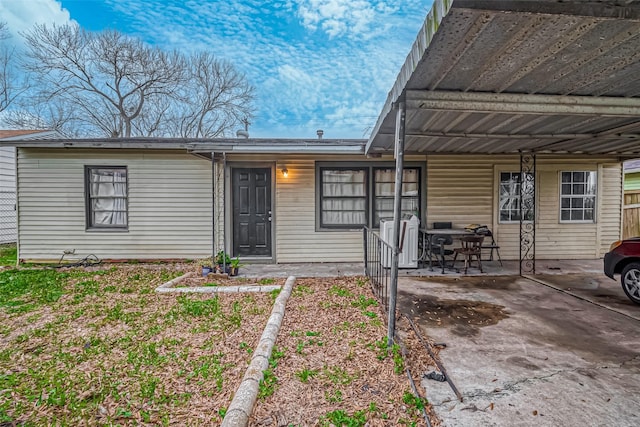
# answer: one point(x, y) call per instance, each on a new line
point(251, 189)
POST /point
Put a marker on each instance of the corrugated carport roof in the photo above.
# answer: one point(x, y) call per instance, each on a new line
point(493, 76)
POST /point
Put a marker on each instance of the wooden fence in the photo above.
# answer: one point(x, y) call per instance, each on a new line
point(631, 217)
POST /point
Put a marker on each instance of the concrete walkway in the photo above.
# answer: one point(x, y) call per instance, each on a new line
point(303, 269)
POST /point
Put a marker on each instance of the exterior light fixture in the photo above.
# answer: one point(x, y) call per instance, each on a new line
point(285, 172)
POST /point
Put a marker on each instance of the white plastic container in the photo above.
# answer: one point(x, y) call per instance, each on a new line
point(408, 257)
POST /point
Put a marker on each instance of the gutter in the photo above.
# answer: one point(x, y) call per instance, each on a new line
point(308, 149)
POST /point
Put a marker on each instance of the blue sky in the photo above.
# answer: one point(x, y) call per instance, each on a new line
point(316, 64)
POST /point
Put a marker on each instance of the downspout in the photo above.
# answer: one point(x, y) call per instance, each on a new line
point(213, 208)
point(224, 211)
point(17, 205)
point(397, 212)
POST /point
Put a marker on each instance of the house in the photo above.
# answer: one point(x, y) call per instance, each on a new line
point(153, 199)
point(279, 200)
point(8, 226)
point(516, 115)
point(632, 176)
point(631, 205)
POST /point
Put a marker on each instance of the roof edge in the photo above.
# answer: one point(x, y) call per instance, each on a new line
point(255, 145)
point(30, 135)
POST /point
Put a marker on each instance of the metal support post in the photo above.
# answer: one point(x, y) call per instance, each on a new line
point(527, 199)
point(397, 213)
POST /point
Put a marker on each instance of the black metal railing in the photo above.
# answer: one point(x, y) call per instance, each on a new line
point(377, 265)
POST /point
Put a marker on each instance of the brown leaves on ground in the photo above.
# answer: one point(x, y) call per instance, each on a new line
point(334, 363)
point(112, 351)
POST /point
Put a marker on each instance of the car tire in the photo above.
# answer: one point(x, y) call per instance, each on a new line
point(630, 280)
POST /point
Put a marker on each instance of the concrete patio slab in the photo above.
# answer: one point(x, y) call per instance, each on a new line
point(597, 289)
point(491, 268)
point(526, 354)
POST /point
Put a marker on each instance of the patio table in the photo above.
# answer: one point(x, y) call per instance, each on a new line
point(428, 235)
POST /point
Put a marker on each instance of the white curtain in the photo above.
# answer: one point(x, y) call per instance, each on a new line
point(109, 197)
point(385, 192)
point(344, 197)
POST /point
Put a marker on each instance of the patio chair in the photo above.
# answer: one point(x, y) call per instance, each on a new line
point(438, 249)
point(471, 247)
point(491, 245)
point(439, 225)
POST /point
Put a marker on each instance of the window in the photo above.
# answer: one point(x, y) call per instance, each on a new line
point(106, 193)
point(384, 193)
point(344, 198)
point(353, 197)
point(577, 196)
point(509, 200)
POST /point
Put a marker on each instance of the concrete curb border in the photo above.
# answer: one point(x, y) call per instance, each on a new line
point(169, 287)
point(171, 283)
point(241, 407)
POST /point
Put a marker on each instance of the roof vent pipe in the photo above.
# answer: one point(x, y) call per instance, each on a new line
point(320, 132)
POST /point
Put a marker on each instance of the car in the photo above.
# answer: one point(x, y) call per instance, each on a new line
point(624, 258)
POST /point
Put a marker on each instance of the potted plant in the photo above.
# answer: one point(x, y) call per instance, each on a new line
point(223, 262)
point(235, 266)
point(206, 265)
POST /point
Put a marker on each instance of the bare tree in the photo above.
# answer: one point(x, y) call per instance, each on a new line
point(107, 77)
point(155, 119)
point(216, 98)
point(12, 83)
point(34, 113)
point(119, 87)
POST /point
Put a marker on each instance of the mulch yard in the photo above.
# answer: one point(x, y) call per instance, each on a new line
point(331, 366)
point(99, 347)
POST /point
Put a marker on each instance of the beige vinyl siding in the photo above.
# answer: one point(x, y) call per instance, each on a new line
point(296, 237)
point(556, 240)
point(169, 205)
point(464, 190)
point(610, 205)
point(460, 190)
point(8, 227)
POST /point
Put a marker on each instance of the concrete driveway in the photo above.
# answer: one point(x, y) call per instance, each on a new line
point(545, 352)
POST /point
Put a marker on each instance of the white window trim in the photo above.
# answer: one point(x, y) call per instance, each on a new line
point(498, 183)
point(595, 196)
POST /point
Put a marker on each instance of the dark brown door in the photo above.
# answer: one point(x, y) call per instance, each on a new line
point(251, 189)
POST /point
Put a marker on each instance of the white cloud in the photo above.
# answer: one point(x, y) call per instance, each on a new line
point(354, 18)
point(315, 64)
point(21, 15)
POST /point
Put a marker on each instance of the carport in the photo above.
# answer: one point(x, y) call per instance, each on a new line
point(516, 77)
point(559, 349)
